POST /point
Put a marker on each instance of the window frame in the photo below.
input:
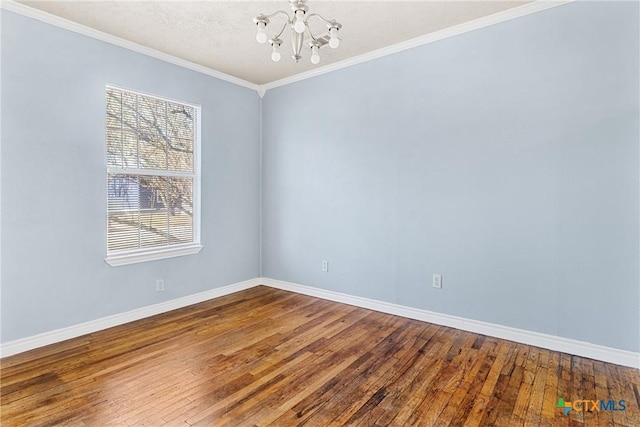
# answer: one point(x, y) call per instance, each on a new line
point(132, 256)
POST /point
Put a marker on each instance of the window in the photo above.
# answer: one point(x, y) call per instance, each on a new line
point(152, 177)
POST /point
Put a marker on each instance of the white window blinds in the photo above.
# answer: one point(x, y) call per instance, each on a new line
point(151, 173)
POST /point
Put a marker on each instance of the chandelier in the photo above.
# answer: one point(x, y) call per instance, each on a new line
point(298, 24)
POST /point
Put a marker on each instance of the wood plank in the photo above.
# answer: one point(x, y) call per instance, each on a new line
point(539, 370)
point(464, 396)
point(481, 402)
point(548, 411)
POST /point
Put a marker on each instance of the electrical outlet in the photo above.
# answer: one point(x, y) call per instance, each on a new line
point(325, 266)
point(159, 285)
point(437, 281)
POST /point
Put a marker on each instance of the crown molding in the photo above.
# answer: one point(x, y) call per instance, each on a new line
point(66, 24)
point(496, 18)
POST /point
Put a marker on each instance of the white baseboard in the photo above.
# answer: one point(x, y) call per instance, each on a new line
point(551, 342)
point(46, 338)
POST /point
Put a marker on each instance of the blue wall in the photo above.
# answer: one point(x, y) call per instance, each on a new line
point(505, 158)
point(54, 180)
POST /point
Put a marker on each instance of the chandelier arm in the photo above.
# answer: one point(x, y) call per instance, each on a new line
point(277, 12)
point(326, 21)
point(311, 34)
point(282, 30)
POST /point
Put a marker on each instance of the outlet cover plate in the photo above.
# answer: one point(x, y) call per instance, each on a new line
point(437, 281)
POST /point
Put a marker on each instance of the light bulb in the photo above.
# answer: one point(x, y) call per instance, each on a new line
point(334, 42)
point(299, 25)
point(261, 37)
point(315, 56)
point(275, 55)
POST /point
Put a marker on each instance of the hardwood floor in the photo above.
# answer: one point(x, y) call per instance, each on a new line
point(269, 357)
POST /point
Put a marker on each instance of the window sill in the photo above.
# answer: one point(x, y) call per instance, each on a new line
point(133, 258)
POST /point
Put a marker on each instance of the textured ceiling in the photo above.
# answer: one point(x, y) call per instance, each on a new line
point(220, 35)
